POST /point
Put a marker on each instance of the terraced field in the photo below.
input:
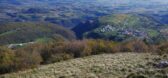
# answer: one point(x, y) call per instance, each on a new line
point(120, 65)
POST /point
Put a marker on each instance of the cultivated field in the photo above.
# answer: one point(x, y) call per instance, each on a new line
point(119, 65)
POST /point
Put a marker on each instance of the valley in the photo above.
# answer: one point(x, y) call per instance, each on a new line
point(70, 13)
point(119, 27)
point(83, 38)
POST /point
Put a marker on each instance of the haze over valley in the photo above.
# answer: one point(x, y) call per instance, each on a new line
point(69, 13)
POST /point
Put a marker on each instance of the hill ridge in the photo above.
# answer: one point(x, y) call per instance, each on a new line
point(97, 66)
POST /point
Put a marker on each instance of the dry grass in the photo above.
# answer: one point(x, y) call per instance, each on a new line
point(118, 65)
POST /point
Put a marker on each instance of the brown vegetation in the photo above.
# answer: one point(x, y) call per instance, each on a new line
point(163, 48)
point(6, 60)
point(55, 51)
point(134, 46)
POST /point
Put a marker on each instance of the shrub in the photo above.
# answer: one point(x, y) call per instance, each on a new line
point(101, 46)
point(27, 58)
point(20, 59)
point(98, 47)
point(6, 60)
point(163, 48)
point(77, 48)
point(134, 46)
point(53, 52)
point(58, 57)
point(58, 50)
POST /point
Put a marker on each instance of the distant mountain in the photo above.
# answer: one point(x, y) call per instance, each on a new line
point(70, 13)
point(121, 27)
point(27, 32)
point(88, 17)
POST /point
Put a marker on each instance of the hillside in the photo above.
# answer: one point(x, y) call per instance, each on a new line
point(120, 27)
point(28, 32)
point(83, 38)
point(121, 65)
point(70, 13)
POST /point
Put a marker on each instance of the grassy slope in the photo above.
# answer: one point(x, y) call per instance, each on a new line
point(125, 22)
point(26, 32)
point(128, 20)
point(100, 66)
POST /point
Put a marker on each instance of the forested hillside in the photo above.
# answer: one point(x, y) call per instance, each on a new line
point(11, 33)
point(119, 27)
point(70, 13)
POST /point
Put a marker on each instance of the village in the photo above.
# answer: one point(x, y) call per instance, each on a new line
point(124, 31)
